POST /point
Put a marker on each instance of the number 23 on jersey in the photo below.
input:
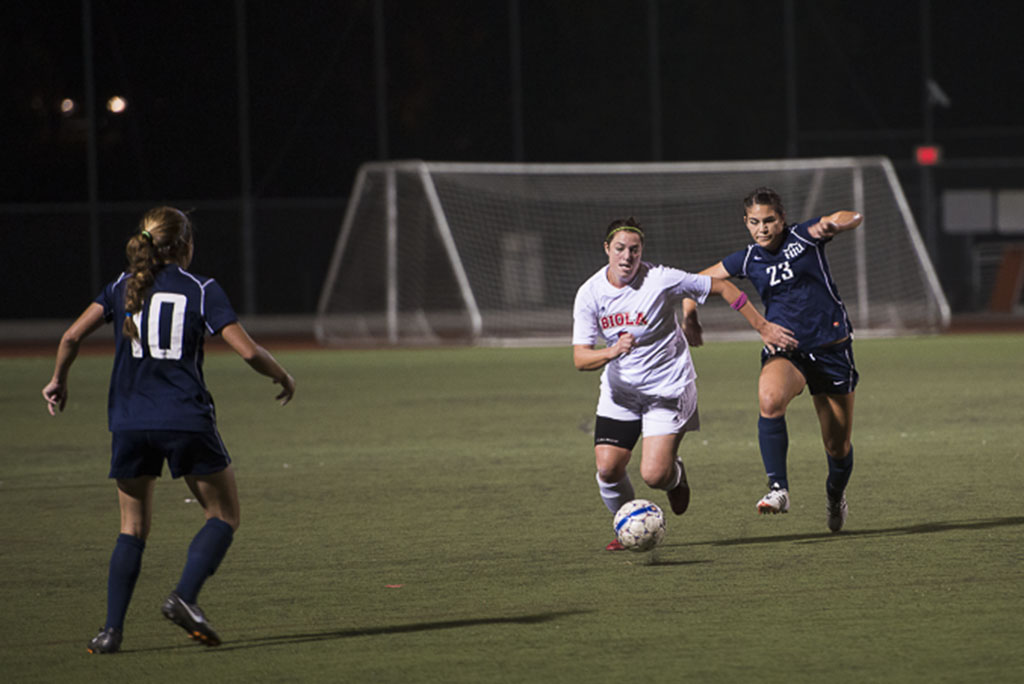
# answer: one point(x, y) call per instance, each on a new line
point(777, 273)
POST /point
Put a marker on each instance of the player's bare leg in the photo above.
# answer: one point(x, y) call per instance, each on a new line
point(218, 495)
point(135, 499)
point(661, 468)
point(613, 480)
point(835, 416)
point(779, 383)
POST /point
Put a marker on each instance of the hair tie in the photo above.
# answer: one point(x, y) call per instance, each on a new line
point(127, 314)
point(146, 235)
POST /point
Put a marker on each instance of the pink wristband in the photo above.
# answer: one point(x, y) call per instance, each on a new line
point(740, 301)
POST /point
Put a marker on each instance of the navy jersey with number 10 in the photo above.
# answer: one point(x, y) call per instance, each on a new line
point(796, 286)
point(157, 381)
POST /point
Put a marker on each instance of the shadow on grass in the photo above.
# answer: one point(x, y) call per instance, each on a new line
point(660, 562)
point(924, 528)
point(288, 639)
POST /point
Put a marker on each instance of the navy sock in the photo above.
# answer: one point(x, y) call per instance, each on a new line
point(774, 441)
point(838, 474)
point(125, 564)
point(204, 555)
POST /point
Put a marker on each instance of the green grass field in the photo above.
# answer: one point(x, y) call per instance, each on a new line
point(431, 516)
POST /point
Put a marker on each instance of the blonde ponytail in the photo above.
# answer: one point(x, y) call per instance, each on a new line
point(164, 236)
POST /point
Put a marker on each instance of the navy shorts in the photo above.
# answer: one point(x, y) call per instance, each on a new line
point(135, 453)
point(828, 370)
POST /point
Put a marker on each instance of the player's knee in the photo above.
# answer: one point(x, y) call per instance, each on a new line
point(611, 462)
point(228, 514)
point(655, 482)
point(837, 449)
point(772, 403)
point(656, 478)
point(232, 520)
point(137, 530)
point(611, 472)
point(772, 409)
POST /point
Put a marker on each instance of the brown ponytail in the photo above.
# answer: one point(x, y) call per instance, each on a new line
point(164, 236)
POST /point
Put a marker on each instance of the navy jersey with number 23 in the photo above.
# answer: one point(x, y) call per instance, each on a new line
point(157, 381)
point(796, 286)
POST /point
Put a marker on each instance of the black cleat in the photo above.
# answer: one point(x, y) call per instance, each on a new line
point(837, 512)
point(190, 618)
point(679, 498)
point(107, 641)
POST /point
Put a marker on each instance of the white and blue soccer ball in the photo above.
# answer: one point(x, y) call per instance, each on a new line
point(639, 525)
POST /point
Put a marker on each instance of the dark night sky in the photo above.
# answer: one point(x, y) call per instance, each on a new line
point(586, 96)
point(585, 87)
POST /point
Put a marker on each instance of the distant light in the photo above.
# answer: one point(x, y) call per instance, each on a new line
point(67, 106)
point(928, 155)
point(116, 104)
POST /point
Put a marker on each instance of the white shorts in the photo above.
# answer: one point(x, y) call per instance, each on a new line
point(660, 415)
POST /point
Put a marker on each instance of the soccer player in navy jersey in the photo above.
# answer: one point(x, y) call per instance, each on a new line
point(647, 377)
point(159, 409)
point(787, 266)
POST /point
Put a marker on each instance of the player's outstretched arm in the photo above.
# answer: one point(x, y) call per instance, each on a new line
point(833, 224)
point(774, 336)
point(259, 359)
point(691, 323)
point(56, 391)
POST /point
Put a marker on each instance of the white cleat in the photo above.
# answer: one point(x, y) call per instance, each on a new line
point(775, 501)
point(837, 511)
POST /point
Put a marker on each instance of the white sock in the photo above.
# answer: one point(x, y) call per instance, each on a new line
point(677, 475)
point(615, 494)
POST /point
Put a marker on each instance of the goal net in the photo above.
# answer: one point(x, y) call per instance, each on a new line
point(491, 253)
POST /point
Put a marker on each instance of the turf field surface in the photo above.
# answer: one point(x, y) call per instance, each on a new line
point(431, 516)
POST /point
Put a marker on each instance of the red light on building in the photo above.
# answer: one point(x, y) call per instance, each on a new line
point(928, 155)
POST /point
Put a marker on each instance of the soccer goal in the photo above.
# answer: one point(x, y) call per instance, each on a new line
point(493, 253)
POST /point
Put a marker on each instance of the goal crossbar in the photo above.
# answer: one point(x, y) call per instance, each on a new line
point(485, 252)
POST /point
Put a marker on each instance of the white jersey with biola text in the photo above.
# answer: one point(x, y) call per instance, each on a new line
point(659, 365)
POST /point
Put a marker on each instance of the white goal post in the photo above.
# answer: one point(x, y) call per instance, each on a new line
point(431, 252)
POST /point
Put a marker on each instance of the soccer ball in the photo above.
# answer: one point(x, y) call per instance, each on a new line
point(639, 525)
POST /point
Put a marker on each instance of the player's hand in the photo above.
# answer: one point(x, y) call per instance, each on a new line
point(624, 344)
point(56, 395)
point(693, 331)
point(827, 228)
point(777, 338)
point(287, 389)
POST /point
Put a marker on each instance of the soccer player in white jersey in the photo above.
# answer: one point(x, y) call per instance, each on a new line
point(787, 266)
point(159, 409)
point(647, 381)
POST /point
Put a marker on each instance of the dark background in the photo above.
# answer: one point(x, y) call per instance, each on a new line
point(258, 114)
